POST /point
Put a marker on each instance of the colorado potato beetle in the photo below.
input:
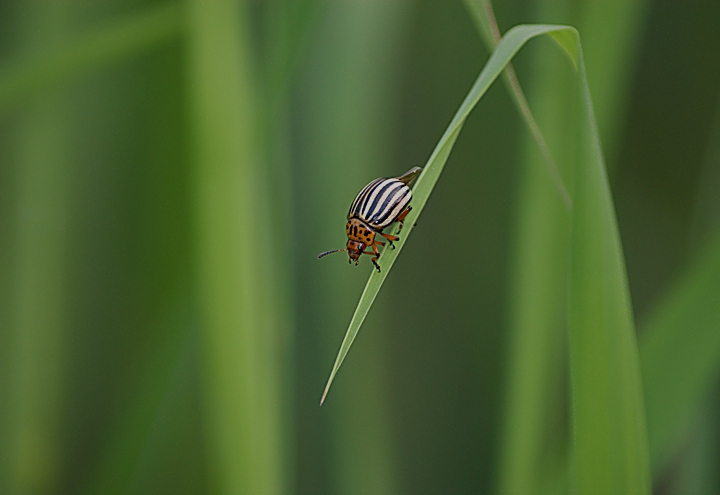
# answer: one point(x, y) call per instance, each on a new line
point(380, 204)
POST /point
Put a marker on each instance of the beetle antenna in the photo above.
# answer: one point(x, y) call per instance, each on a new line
point(331, 252)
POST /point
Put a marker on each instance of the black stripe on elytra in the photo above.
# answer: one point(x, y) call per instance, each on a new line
point(360, 199)
point(376, 189)
point(370, 208)
point(356, 201)
point(383, 210)
point(389, 206)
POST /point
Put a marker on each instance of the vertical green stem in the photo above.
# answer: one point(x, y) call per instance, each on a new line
point(534, 402)
point(611, 31)
point(534, 437)
point(350, 100)
point(38, 319)
point(242, 386)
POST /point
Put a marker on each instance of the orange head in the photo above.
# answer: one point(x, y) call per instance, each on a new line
point(355, 250)
point(360, 235)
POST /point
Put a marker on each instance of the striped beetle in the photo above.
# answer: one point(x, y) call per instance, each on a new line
point(380, 204)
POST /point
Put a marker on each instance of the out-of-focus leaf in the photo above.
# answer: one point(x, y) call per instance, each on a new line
point(38, 316)
point(611, 32)
point(535, 439)
point(348, 92)
point(239, 314)
point(533, 445)
point(680, 350)
point(484, 17)
point(166, 356)
point(25, 77)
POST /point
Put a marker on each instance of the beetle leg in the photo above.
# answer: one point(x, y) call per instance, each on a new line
point(376, 253)
point(391, 238)
point(401, 217)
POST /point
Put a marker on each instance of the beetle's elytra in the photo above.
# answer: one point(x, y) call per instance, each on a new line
point(380, 204)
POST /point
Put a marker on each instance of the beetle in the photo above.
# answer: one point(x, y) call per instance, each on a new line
point(377, 206)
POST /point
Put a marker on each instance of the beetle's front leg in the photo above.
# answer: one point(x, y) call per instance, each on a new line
point(377, 255)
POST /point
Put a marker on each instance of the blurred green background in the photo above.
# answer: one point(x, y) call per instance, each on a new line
point(170, 170)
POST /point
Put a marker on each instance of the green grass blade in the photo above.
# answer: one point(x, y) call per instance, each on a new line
point(610, 453)
point(531, 443)
point(25, 77)
point(610, 445)
point(533, 455)
point(504, 52)
point(388, 259)
point(535, 438)
point(680, 350)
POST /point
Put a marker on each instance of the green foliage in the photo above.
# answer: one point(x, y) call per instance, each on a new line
point(239, 313)
point(23, 78)
point(680, 349)
point(610, 446)
point(168, 173)
point(609, 452)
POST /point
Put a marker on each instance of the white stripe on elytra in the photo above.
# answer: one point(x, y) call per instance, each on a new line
point(401, 204)
point(386, 202)
point(368, 205)
point(375, 206)
point(359, 198)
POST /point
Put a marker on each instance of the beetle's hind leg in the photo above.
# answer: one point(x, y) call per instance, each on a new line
point(401, 218)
